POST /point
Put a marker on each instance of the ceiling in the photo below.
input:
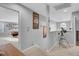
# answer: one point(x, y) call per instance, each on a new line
point(58, 11)
point(62, 11)
point(53, 4)
point(7, 15)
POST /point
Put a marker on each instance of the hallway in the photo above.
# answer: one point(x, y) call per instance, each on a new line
point(40, 29)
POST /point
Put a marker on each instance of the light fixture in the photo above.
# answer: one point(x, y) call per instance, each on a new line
point(65, 10)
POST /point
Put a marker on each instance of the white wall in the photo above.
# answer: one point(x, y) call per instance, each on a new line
point(77, 22)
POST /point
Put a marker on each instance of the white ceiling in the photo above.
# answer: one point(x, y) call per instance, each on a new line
point(62, 14)
point(7, 15)
point(53, 4)
point(55, 15)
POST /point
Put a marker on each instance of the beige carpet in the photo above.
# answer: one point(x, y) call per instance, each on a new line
point(74, 51)
point(35, 51)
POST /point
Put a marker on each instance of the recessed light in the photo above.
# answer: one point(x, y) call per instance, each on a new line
point(65, 10)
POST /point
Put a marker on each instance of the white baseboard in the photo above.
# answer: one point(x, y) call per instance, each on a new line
point(48, 50)
point(35, 45)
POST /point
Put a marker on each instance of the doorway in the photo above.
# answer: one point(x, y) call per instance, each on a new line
point(9, 26)
point(77, 38)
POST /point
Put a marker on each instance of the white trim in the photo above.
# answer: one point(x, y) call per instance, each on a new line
point(37, 46)
point(11, 21)
point(32, 47)
point(74, 32)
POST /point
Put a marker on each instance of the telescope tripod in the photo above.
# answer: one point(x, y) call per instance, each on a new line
point(63, 40)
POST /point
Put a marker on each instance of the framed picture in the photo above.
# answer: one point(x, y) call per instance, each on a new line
point(35, 20)
point(44, 31)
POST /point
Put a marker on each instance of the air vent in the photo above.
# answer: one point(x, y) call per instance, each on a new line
point(62, 6)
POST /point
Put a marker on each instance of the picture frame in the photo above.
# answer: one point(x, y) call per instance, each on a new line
point(44, 31)
point(35, 20)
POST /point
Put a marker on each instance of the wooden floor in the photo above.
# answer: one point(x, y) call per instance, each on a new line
point(10, 50)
